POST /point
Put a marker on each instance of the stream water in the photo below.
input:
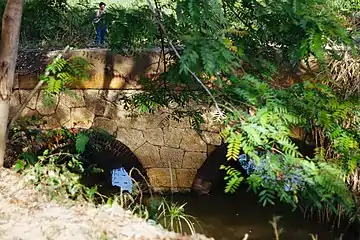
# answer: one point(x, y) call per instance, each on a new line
point(230, 217)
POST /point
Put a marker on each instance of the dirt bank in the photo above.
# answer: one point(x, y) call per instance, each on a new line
point(27, 214)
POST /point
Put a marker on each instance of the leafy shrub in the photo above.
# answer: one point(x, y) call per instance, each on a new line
point(259, 37)
point(64, 73)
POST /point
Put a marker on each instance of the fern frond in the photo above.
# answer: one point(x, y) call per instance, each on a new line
point(234, 146)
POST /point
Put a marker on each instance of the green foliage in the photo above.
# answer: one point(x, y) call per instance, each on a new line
point(238, 46)
point(58, 173)
point(316, 109)
point(62, 73)
point(81, 141)
point(173, 217)
point(131, 29)
point(233, 179)
point(56, 23)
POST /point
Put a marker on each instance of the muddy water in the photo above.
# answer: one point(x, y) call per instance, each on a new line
point(227, 217)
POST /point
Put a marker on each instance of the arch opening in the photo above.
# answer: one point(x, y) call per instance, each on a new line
point(210, 178)
point(104, 154)
point(101, 153)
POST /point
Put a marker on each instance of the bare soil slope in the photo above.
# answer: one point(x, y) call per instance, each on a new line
point(27, 214)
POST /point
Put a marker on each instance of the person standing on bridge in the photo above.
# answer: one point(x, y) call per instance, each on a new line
point(100, 24)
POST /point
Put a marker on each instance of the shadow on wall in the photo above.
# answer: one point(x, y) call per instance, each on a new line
point(112, 71)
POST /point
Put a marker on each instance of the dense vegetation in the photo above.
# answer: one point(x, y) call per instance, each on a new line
point(242, 48)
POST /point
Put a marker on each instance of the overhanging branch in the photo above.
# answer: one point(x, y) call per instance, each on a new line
point(179, 57)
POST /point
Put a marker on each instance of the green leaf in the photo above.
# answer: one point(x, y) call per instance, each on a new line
point(20, 165)
point(82, 140)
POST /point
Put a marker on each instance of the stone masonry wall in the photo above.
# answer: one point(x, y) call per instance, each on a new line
point(158, 142)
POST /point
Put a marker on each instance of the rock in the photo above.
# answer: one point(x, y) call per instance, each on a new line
point(161, 177)
point(120, 115)
point(148, 121)
point(81, 117)
point(111, 95)
point(27, 112)
point(173, 136)
point(182, 123)
point(105, 124)
point(173, 155)
point(148, 155)
point(185, 177)
point(73, 99)
point(192, 142)
point(90, 94)
point(212, 138)
point(62, 114)
point(142, 122)
point(50, 123)
point(24, 94)
point(94, 103)
point(130, 137)
point(193, 160)
point(45, 108)
point(154, 136)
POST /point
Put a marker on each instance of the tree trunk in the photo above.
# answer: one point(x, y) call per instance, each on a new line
point(9, 45)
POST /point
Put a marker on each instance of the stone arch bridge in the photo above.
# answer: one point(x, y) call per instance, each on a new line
point(158, 142)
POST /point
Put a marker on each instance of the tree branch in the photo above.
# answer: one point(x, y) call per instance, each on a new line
point(179, 57)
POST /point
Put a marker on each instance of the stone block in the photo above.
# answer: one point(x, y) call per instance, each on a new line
point(173, 155)
point(120, 115)
point(50, 123)
point(148, 155)
point(27, 112)
point(161, 177)
point(94, 102)
point(44, 108)
point(24, 94)
point(62, 114)
point(211, 138)
point(182, 123)
point(105, 124)
point(73, 99)
point(154, 136)
point(90, 94)
point(173, 136)
point(192, 142)
point(110, 95)
point(130, 137)
point(193, 159)
point(142, 122)
point(81, 117)
point(149, 121)
point(185, 177)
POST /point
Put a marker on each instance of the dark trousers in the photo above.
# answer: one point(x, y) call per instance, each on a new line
point(100, 34)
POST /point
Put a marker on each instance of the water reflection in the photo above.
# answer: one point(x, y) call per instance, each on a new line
point(229, 217)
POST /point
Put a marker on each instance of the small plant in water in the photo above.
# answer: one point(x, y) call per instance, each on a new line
point(172, 216)
point(277, 231)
